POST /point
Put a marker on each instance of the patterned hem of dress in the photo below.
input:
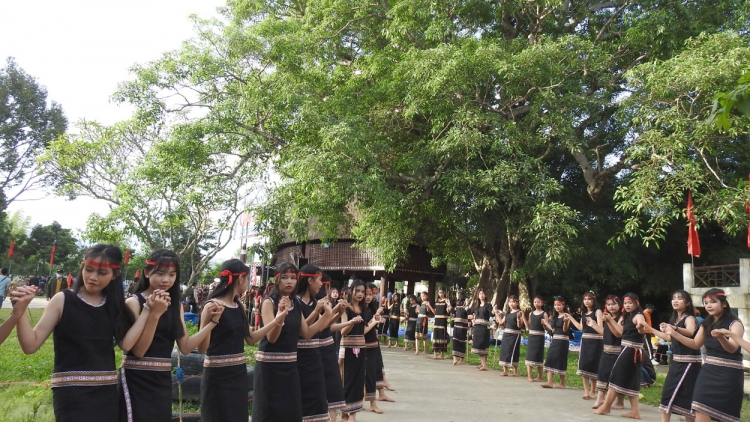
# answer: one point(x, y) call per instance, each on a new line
point(336, 405)
point(439, 342)
point(507, 364)
point(458, 354)
point(587, 374)
point(83, 378)
point(352, 407)
point(555, 371)
point(380, 384)
point(480, 352)
point(147, 363)
point(370, 397)
point(713, 413)
point(532, 363)
point(624, 391)
point(316, 418)
point(602, 386)
point(677, 410)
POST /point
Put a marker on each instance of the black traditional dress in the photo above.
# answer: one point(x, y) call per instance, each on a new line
point(84, 381)
point(718, 390)
point(355, 362)
point(510, 348)
point(626, 373)
point(677, 394)
point(460, 330)
point(383, 326)
point(394, 321)
point(422, 322)
point(277, 394)
point(610, 352)
point(311, 376)
point(439, 331)
point(329, 355)
point(535, 345)
point(374, 362)
point(592, 344)
point(481, 331)
point(411, 324)
point(557, 356)
point(146, 383)
point(225, 369)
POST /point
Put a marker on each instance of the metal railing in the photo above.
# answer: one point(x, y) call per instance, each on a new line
point(717, 276)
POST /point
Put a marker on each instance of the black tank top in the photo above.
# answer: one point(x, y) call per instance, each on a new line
point(511, 321)
point(535, 322)
point(163, 342)
point(307, 309)
point(84, 337)
point(228, 337)
point(609, 338)
point(679, 348)
point(287, 341)
point(586, 328)
point(716, 350)
point(629, 331)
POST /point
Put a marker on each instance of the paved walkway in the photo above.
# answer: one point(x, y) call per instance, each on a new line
point(436, 391)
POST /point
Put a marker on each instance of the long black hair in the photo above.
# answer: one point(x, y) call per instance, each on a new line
point(595, 306)
point(356, 283)
point(114, 293)
point(555, 314)
point(726, 316)
point(163, 259)
point(303, 280)
point(617, 300)
point(232, 270)
point(634, 298)
point(373, 305)
point(284, 268)
point(689, 309)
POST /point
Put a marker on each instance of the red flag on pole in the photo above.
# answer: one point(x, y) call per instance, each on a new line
point(694, 245)
point(52, 255)
point(10, 250)
point(127, 255)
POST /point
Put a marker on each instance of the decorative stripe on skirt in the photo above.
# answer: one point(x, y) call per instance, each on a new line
point(713, 413)
point(480, 321)
point(593, 336)
point(308, 344)
point(480, 352)
point(560, 337)
point(317, 418)
point(727, 363)
point(231, 360)
point(586, 374)
point(372, 345)
point(688, 358)
point(275, 356)
point(336, 406)
point(352, 407)
point(147, 363)
point(83, 378)
point(370, 396)
point(530, 363)
point(612, 350)
point(536, 333)
point(353, 341)
point(326, 342)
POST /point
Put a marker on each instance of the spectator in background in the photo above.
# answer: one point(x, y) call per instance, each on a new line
point(647, 312)
point(4, 282)
point(57, 285)
point(698, 316)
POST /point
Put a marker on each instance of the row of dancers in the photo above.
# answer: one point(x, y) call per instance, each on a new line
point(297, 375)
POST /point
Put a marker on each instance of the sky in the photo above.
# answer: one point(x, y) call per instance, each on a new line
point(80, 50)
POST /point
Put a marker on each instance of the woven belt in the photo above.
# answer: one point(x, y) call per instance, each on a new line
point(728, 363)
point(83, 378)
point(308, 344)
point(632, 345)
point(275, 356)
point(560, 337)
point(326, 342)
point(536, 333)
point(225, 360)
point(441, 316)
point(511, 331)
point(593, 336)
point(353, 341)
point(147, 363)
point(421, 316)
point(611, 349)
point(464, 320)
point(372, 345)
point(687, 358)
point(480, 321)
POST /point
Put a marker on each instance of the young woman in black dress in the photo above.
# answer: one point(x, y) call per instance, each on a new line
point(535, 346)
point(460, 329)
point(480, 318)
point(557, 356)
point(84, 320)
point(355, 355)
point(441, 310)
point(425, 310)
point(591, 345)
point(677, 394)
point(329, 353)
point(394, 320)
point(718, 391)
point(146, 372)
point(412, 310)
point(610, 351)
point(277, 391)
point(510, 347)
point(626, 373)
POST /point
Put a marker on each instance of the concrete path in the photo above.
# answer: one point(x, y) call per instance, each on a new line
point(436, 391)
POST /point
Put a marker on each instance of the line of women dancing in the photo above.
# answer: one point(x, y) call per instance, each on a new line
point(297, 373)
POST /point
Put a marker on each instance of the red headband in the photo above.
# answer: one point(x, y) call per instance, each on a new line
point(227, 273)
point(100, 264)
point(326, 282)
point(154, 263)
point(310, 274)
point(289, 271)
point(722, 294)
point(368, 291)
point(559, 302)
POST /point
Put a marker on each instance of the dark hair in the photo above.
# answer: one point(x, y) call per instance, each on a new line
point(617, 301)
point(689, 309)
point(592, 295)
point(356, 283)
point(163, 259)
point(114, 293)
point(476, 295)
point(460, 298)
point(513, 297)
point(555, 314)
point(412, 297)
point(4, 271)
point(303, 281)
point(373, 305)
point(633, 297)
point(235, 266)
point(281, 269)
point(393, 299)
point(726, 314)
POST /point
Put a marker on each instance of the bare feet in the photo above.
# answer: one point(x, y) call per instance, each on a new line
point(586, 397)
point(375, 409)
point(529, 380)
point(383, 397)
point(389, 387)
point(618, 406)
point(546, 385)
point(560, 386)
point(454, 362)
point(596, 405)
point(601, 411)
point(417, 352)
point(631, 415)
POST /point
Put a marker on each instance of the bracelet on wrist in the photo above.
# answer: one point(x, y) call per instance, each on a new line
point(280, 325)
point(215, 322)
point(146, 307)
